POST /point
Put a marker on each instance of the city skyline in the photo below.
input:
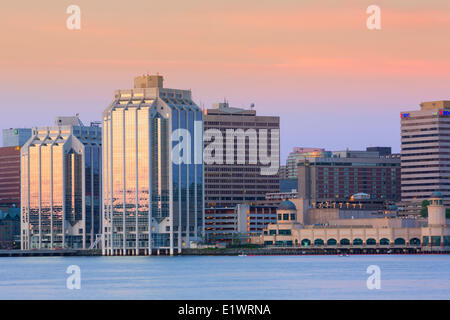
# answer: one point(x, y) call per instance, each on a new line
point(312, 63)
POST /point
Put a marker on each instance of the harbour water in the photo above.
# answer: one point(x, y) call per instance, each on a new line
point(227, 277)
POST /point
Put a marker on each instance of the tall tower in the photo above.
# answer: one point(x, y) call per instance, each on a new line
point(60, 186)
point(153, 188)
point(238, 171)
point(425, 145)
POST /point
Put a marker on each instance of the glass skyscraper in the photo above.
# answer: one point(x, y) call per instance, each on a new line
point(61, 186)
point(152, 201)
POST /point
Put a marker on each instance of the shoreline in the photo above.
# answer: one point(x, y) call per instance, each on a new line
point(340, 251)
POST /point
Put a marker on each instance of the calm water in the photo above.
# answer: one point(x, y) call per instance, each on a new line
point(261, 277)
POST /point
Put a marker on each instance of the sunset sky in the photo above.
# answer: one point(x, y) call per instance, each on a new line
point(333, 82)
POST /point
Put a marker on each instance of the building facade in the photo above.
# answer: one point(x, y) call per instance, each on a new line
point(236, 175)
point(60, 186)
point(153, 170)
point(348, 173)
point(357, 228)
point(10, 228)
point(16, 137)
point(237, 224)
point(425, 153)
point(10, 177)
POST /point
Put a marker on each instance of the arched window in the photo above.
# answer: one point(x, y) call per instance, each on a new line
point(306, 243)
point(331, 242)
point(414, 241)
point(399, 242)
point(318, 242)
point(357, 242)
point(345, 242)
point(371, 242)
point(384, 242)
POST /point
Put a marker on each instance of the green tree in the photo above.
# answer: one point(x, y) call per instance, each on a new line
point(424, 210)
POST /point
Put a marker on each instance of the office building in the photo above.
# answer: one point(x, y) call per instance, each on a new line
point(15, 137)
point(349, 172)
point(152, 170)
point(10, 177)
point(425, 154)
point(60, 184)
point(237, 174)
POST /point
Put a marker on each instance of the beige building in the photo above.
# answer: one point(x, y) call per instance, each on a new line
point(425, 155)
point(299, 225)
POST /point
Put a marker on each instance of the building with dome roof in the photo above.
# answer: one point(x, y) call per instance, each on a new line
point(286, 205)
point(301, 223)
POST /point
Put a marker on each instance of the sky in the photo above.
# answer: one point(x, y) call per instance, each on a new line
point(334, 83)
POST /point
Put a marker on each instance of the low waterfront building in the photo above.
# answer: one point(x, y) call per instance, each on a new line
point(239, 223)
point(303, 225)
point(10, 228)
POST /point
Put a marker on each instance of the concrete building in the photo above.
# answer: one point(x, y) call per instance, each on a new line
point(300, 154)
point(16, 137)
point(237, 224)
point(152, 173)
point(302, 226)
point(10, 177)
point(349, 172)
point(232, 177)
point(425, 154)
point(60, 186)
